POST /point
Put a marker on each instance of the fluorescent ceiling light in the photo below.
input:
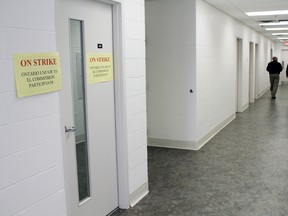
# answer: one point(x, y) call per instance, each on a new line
point(274, 23)
point(276, 29)
point(267, 13)
point(280, 33)
point(283, 38)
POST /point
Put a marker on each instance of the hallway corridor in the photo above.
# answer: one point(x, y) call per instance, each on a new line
point(242, 171)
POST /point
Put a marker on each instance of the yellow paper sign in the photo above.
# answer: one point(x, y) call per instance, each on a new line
point(37, 73)
point(99, 67)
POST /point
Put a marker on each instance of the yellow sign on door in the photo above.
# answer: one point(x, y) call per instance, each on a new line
point(99, 67)
point(37, 73)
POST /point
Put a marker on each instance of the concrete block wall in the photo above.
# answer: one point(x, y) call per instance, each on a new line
point(191, 44)
point(217, 66)
point(31, 157)
point(31, 165)
point(171, 40)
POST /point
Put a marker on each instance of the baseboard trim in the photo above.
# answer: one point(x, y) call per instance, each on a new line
point(244, 107)
point(137, 195)
point(176, 144)
point(190, 145)
point(216, 130)
point(262, 93)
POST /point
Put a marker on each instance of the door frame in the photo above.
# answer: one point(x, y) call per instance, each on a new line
point(257, 71)
point(239, 72)
point(251, 94)
point(120, 105)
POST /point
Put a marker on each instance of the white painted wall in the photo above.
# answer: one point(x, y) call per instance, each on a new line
point(31, 165)
point(217, 35)
point(216, 68)
point(207, 63)
point(31, 160)
point(170, 32)
point(284, 57)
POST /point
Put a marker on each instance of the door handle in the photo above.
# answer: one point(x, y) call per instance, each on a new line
point(70, 130)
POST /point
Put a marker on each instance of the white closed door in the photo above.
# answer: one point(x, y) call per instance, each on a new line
point(88, 110)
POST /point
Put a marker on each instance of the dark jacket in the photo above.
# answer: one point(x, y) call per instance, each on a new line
point(274, 67)
point(287, 71)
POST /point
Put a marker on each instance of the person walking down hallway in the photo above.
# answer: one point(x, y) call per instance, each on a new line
point(274, 68)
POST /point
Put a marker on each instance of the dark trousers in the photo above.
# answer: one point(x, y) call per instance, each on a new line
point(274, 82)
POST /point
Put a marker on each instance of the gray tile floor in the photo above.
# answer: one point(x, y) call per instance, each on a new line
point(242, 171)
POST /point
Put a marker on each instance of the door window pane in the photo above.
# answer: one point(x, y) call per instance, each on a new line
point(77, 70)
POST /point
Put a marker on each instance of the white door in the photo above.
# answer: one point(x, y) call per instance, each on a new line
point(88, 110)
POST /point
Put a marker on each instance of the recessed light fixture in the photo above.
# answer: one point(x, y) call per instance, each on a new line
point(276, 29)
point(280, 33)
point(274, 23)
point(267, 13)
point(282, 38)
